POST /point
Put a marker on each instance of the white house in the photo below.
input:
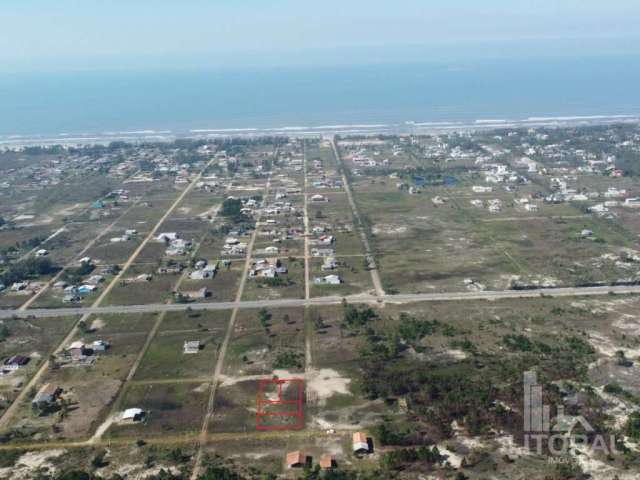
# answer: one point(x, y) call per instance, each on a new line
point(191, 347)
point(133, 415)
point(328, 280)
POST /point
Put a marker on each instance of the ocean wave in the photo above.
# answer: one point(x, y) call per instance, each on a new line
point(578, 118)
point(491, 121)
point(342, 127)
point(223, 130)
point(146, 132)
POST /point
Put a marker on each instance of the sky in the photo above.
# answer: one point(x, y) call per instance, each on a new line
point(41, 35)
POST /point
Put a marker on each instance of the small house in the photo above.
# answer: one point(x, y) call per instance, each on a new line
point(100, 346)
point(133, 415)
point(86, 289)
point(46, 396)
point(327, 462)
point(77, 350)
point(191, 347)
point(19, 286)
point(71, 298)
point(14, 363)
point(202, 293)
point(328, 280)
point(360, 443)
point(296, 459)
point(167, 237)
point(329, 263)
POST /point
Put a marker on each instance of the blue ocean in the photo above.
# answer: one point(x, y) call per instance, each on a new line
point(192, 99)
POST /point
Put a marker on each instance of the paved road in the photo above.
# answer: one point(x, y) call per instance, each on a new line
point(322, 301)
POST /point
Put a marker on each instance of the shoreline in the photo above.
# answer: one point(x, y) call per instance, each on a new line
point(406, 128)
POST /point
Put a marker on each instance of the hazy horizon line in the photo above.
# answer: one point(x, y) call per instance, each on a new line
point(444, 53)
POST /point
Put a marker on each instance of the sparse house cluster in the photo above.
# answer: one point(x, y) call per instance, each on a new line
point(234, 247)
point(176, 246)
point(79, 353)
point(267, 268)
point(361, 445)
point(204, 270)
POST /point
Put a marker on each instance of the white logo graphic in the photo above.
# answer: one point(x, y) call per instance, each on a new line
point(556, 434)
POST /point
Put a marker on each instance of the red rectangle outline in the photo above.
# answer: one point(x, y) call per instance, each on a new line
point(261, 402)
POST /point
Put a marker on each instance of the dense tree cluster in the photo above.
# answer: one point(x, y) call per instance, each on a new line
point(28, 268)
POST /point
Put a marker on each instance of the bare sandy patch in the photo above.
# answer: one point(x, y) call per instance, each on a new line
point(324, 383)
point(30, 463)
point(97, 324)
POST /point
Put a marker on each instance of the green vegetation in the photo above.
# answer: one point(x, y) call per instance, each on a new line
point(4, 332)
point(276, 282)
point(74, 275)
point(355, 317)
point(396, 459)
point(25, 269)
point(288, 359)
point(8, 458)
point(522, 343)
point(231, 210)
point(632, 428)
point(413, 330)
point(264, 317)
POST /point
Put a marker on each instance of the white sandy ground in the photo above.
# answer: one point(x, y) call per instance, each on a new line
point(68, 211)
point(320, 384)
point(596, 468)
point(31, 462)
point(324, 383)
point(97, 324)
point(137, 471)
point(383, 229)
point(605, 346)
point(202, 388)
point(457, 354)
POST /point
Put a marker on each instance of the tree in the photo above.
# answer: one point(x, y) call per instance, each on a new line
point(4, 332)
point(98, 460)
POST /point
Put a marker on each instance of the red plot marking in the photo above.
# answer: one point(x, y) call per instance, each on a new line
point(280, 404)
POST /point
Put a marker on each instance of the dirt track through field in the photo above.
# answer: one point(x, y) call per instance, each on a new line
point(35, 380)
point(373, 267)
point(222, 352)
